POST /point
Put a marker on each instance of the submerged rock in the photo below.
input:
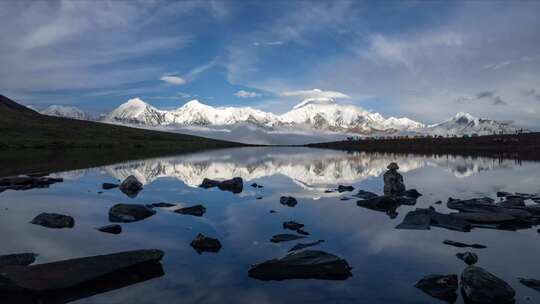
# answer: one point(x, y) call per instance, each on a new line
point(197, 210)
point(442, 287)
point(393, 181)
point(481, 287)
point(108, 186)
point(203, 243)
point(386, 204)
point(302, 231)
point(53, 220)
point(463, 245)
point(131, 186)
point(127, 213)
point(285, 237)
point(27, 182)
point(306, 264)
point(301, 246)
point(112, 229)
point(292, 225)
point(531, 283)
point(72, 273)
point(288, 201)
point(342, 188)
point(161, 205)
point(21, 259)
point(234, 185)
point(469, 258)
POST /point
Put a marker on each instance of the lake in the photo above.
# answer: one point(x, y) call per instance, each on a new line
point(386, 262)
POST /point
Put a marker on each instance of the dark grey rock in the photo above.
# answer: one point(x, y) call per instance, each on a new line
point(306, 264)
point(254, 185)
point(470, 258)
point(531, 283)
point(278, 238)
point(112, 229)
point(386, 204)
point(481, 287)
point(108, 186)
point(21, 259)
point(53, 220)
point(342, 188)
point(412, 193)
point(463, 245)
point(448, 221)
point(503, 194)
point(131, 186)
point(393, 181)
point(259, 197)
point(292, 225)
point(345, 198)
point(203, 243)
point(127, 213)
point(302, 231)
point(273, 211)
point(513, 201)
point(301, 246)
point(26, 182)
point(234, 185)
point(442, 287)
point(209, 183)
point(72, 273)
point(288, 201)
point(161, 205)
point(418, 219)
point(365, 195)
point(197, 210)
point(438, 202)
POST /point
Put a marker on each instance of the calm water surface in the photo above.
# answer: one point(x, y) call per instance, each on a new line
point(386, 262)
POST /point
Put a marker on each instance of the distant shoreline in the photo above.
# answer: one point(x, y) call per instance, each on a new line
point(524, 146)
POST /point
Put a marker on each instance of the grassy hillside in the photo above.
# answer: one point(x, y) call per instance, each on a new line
point(21, 127)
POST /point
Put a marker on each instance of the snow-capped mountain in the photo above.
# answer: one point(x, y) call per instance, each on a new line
point(465, 123)
point(65, 111)
point(136, 111)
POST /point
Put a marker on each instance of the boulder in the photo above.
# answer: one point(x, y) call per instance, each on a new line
point(127, 213)
point(108, 186)
point(531, 283)
point(463, 245)
point(288, 201)
point(72, 273)
point(442, 287)
point(306, 264)
point(203, 243)
point(342, 188)
point(209, 183)
point(197, 210)
point(278, 238)
point(112, 229)
point(393, 181)
point(234, 185)
point(131, 186)
point(53, 220)
point(481, 287)
point(301, 246)
point(21, 259)
point(27, 182)
point(469, 258)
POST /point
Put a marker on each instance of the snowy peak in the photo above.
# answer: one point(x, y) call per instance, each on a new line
point(136, 111)
point(467, 124)
point(65, 111)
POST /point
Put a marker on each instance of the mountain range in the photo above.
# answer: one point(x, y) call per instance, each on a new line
point(311, 120)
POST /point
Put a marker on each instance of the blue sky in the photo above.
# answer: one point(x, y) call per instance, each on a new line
point(426, 60)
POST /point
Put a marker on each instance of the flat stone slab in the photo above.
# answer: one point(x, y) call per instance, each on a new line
point(53, 220)
point(306, 264)
point(197, 210)
point(112, 229)
point(418, 219)
point(442, 287)
point(71, 273)
point(278, 238)
point(127, 213)
point(531, 283)
point(203, 243)
point(463, 245)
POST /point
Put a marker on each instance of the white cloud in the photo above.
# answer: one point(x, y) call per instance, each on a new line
point(268, 43)
point(175, 80)
point(246, 94)
point(315, 93)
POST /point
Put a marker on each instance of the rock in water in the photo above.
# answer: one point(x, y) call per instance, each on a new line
point(442, 287)
point(393, 181)
point(54, 220)
point(112, 229)
point(386, 204)
point(307, 264)
point(131, 186)
point(463, 245)
point(197, 210)
point(292, 225)
point(288, 201)
point(21, 259)
point(469, 258)
point(108, 186)
point(342, 188)
point(235, 185)
point(72, 273)
point(161, 205)
point(301, 246)
point(278, 238)
point(27, 182)
point(481, 287)
point(203, 243)
point(412, 193)
point(531, 283)
point(366, 195)
point(418, 219)
point(127, 213)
